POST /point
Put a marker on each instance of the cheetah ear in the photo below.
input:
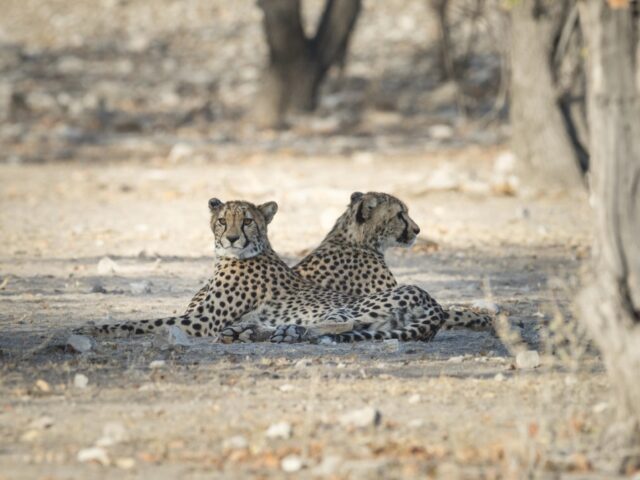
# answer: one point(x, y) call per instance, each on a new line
point(355, 196)
point(366, 208)
point(268, 209)
point(214, 204)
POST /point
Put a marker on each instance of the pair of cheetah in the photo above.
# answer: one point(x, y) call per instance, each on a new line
point(342, 291)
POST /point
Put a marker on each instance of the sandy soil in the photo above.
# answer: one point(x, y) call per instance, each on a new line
point(453, 408)
point(120, 119)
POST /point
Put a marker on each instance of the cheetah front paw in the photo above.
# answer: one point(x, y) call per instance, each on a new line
point(290, 334)
point(239, 334)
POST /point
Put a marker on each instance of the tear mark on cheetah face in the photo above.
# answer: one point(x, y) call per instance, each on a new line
point(240, 228)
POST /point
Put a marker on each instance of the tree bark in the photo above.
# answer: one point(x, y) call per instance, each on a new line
point(542, 137)
point(610, 308)
point(297, 64)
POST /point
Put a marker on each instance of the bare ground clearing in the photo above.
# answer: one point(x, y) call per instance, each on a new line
point(453, 408)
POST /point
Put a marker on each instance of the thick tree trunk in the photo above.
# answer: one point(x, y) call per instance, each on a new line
point(542, 136)
point(611, 306)
point(297, 64)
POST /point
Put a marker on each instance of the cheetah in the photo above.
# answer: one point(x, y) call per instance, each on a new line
point(254, 295)
point(351, 258)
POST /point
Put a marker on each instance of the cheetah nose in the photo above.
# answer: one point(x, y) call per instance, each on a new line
point(232, 239)
point(416, 230)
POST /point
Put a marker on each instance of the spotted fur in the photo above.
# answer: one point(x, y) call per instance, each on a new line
point(351, 256)
point(253, 295)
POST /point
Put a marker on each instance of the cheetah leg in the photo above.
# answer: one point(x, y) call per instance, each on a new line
point(457, 317)
point(336, 322)
point(420, 320)
point(245, 333)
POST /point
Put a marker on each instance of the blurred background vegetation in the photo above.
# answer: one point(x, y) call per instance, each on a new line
point(122, 79)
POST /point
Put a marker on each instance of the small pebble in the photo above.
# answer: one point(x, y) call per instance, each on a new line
point(279, 430)
point(107, 266)
point(527, 359)
point(140, 288)
point(80, 380)
point(291, 463)
point(237, 442)
point(112, 434)
point(157, 364)
point(499, 377)
point(415, 398)
point(361, 418)
point(79, 343)
point(287, 387)
point(43, 386)
point(94, 454)
point(457, 359)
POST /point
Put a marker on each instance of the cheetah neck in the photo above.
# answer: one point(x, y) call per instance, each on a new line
point(343, 233)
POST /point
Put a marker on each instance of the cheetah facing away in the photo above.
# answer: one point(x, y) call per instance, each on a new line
point(252, 285)
point(351, 257)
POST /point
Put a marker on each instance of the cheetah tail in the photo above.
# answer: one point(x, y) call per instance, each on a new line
point(133, 327)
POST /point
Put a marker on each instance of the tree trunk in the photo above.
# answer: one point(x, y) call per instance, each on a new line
point(297, 64)
point(611, 306)
point(542, 135)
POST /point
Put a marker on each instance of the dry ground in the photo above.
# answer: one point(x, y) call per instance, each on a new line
point(454, 408)
point(146, 103)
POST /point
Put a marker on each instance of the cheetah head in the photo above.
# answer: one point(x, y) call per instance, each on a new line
point(240, 228)
point(379, 220)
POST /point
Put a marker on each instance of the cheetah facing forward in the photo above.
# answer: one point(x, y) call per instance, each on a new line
point(253, 287)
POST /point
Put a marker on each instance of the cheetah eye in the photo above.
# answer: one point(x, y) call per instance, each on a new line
point(222, 222)
point(247, 221)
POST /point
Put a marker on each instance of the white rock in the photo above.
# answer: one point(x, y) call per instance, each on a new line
point(505, 163)
point(415, 398)
point(107, 266)
point(287, 387)
point(176, 336)
point(440, 132)
point(457, 359)
point(80, 380)
point(279, 430)
point(237, 442)
point(499, 377)
point(291, 463)
point(94, 454)
point(527, 359)
point(112, 434)
point(157, 364)
point(79, 343)
point(361, 418)
point(600, 407)
point(140, 288)
point(180, 151)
